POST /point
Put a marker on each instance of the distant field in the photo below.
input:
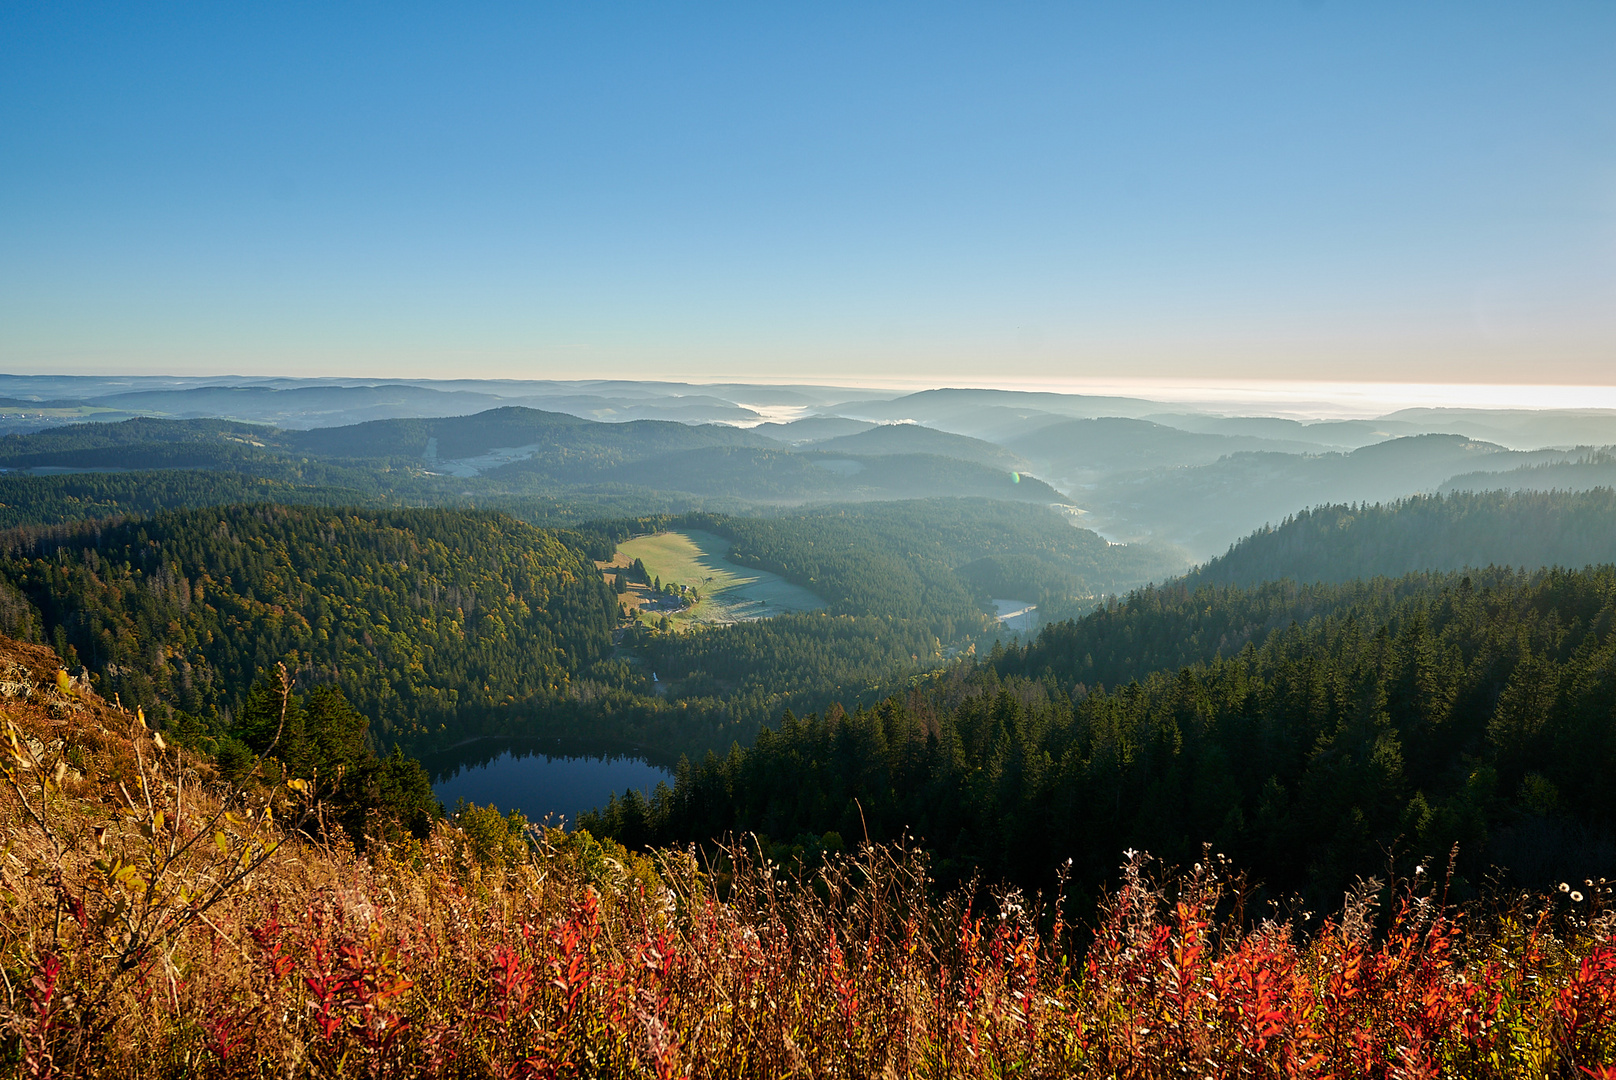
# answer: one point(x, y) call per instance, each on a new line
point(1017, 614)
point(729, 593)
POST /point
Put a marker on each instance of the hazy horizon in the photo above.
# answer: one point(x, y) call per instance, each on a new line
point(1292, 399)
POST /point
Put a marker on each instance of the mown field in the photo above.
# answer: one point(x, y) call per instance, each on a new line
point(729, 593)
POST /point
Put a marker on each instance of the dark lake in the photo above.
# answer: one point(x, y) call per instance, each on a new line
point(539, 778)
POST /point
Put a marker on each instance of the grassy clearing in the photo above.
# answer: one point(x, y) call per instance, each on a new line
point(1019, 615)
point(729, 593)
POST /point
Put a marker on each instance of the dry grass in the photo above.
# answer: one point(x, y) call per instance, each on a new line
point(154, 924)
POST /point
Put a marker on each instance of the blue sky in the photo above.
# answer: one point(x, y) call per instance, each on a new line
point(990, 193)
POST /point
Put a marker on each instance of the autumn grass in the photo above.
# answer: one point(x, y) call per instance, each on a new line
point(154, 923)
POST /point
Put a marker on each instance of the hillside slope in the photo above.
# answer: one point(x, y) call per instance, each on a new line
point(1208, 507)
point(794, 477)
point(1580, 471)
point(553, 437)
point(914, 439)
point(510, 454)
point(201, 928)
point(423, 617)
point(1402, 719)
point(1083, 451)
point(1441, 532)
point(927, 558)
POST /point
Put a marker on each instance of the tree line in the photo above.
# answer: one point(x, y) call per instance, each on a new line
point(427, 620)
point(1426, 532)
point(1383, 721)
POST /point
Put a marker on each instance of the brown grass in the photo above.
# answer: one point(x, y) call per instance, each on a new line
point(154, 923)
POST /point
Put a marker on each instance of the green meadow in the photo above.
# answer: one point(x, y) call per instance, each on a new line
point(729, 593)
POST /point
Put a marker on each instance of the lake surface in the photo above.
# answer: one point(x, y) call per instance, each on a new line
point(539, 778)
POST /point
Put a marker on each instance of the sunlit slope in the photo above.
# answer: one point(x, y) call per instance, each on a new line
point(727, 592)
point(438, 948)
point(423, 617)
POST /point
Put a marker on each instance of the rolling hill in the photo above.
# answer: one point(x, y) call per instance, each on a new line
point(1206, 508)
point(422, 617)
point(1436, 533)
point(813, 429)
point(514, 452)
point(1082, 452)
point(915, 439)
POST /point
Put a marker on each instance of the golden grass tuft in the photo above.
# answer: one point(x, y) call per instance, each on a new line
point(155, 923)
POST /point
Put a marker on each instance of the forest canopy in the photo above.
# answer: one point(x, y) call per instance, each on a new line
point(424, 618)
point(1426, 532)
point(1392, 716)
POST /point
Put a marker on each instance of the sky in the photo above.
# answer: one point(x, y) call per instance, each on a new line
point(1000, 194)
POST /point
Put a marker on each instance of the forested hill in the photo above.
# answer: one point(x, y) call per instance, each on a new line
point(111, 444)
point(997, 548)
point(508, 457)
point(937, 562)
point(908, 584)
point(914, 439)
point(562, 438)
point(550, 442)
point(79, 496)
point(1473, 709)
point(1427, 532)
point(211, 442)
point(422, 617)
point(1166, 627)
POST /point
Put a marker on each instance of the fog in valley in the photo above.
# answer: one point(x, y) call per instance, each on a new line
point(1187, 481)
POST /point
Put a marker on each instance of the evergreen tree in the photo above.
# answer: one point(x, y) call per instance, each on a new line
point(320, 739)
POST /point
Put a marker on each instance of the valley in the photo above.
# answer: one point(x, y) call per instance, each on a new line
point(885, 541)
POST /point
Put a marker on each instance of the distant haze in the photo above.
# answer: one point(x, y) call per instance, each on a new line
point(1301, 399)
point(772, 397)
point(1187, 471)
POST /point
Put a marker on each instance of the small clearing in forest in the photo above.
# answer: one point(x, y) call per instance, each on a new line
point(699, 560)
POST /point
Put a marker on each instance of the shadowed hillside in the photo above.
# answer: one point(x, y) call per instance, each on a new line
point(1441, 532)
